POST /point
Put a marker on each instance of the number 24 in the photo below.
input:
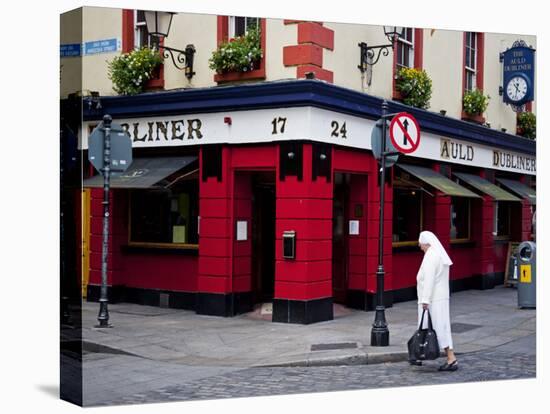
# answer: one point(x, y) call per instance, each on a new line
point(337, 131)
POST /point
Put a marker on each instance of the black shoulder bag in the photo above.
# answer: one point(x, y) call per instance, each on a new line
point(423, 345)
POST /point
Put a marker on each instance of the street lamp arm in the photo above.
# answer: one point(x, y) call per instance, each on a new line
point(368, 53)
point(175, 55)
point(182, 59)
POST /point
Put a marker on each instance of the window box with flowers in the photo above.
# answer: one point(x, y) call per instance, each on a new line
point(474, 104)
point(527, 125)
point(131, 71)
point(239, 58)
point(414, 87)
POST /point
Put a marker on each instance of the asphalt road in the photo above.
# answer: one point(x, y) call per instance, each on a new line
point(122, 379)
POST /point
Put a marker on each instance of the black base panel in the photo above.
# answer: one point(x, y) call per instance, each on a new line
point(115, 294)
point(302, 312)
point(148, 297)
point(216, 304)
point(357, 299)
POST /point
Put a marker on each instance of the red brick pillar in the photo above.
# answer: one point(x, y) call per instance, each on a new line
point(303, 286)
point(118, 235)
point(307, 55)
point(526, 213)
point(215, 233)
point(482, 232)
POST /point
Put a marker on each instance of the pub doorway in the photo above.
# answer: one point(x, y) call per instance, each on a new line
point(340, 207)
point(263, 236)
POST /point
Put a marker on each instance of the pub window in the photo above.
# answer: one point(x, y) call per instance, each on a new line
point(238, 26)
point(502, 219)
point(141, 38)
point(407, 215)
point(460, 218)
point(165, 217)
point(470, 66)
point(405, 50)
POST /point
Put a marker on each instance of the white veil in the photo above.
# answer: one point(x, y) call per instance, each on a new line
point(427, 237)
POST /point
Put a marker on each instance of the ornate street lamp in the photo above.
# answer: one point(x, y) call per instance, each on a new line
point(158, 26)
point(368, 52)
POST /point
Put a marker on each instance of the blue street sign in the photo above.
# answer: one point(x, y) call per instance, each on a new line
point(100, 46)
point(70, 50)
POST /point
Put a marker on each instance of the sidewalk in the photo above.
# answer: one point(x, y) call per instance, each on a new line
point(481, 320)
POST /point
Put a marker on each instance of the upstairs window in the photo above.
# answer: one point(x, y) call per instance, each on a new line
point(141, 37)
point(405, 50)
point(470, 61)
point(238, 26)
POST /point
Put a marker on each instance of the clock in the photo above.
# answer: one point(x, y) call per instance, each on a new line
point(517, 88)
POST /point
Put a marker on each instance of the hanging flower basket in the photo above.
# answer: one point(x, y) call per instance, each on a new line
point(527, 125)
point(474, 104)
point(242, 54)
point(131, 71)
point(414, 87)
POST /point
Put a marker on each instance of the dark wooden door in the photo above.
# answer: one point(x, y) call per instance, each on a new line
point(339, 238)
point(263, 242)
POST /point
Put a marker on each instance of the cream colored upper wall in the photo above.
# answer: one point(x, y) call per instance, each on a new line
point(100, 23)
point(96, 23)
point(442, 60)
point(278, 36)
point(70, 70)
point(200, 30)
point(345, 58)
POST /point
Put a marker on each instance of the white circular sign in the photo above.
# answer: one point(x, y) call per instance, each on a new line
point(405, 132)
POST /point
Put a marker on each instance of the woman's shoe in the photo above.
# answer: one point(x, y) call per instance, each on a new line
point(415, 362)
point(453, 366)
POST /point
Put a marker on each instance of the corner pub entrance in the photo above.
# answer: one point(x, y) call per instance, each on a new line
point(201, 226)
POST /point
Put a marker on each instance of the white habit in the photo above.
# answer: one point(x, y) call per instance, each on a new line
point(432, 287)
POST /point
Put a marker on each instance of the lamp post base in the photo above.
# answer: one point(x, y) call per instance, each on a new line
point(379, 337)
point(380, 334)
point(103, 316)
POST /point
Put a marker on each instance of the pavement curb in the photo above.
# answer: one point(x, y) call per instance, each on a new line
point(365, 359)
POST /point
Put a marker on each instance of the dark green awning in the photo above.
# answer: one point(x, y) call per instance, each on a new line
point(520, 189)
point(487, 187)
point(438, 181)
point(144, 173)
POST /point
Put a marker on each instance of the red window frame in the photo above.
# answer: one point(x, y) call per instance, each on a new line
point(479, 60)
point(223, 36)
point(418, 50)
point(128, 30)
point(479, 70)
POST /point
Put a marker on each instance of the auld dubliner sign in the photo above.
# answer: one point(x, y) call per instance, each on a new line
point(303, 123)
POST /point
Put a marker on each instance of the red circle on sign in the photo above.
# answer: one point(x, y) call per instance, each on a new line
point(414, 145)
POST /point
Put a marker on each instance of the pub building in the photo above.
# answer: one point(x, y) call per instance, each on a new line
point(269, 192)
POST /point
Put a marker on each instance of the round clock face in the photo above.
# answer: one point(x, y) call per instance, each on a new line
point(516, 89)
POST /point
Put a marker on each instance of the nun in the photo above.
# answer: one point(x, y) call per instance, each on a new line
point(433, 294)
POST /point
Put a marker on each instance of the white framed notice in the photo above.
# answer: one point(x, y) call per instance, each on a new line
point(354, 227)
point(242, 227)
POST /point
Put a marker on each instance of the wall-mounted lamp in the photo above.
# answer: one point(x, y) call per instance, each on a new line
point(322, 157)
point(158, 26)
point(291, 155)
point(368, 52)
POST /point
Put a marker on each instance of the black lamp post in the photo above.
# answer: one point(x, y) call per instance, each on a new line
point(368, 52)
point(158, 26)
